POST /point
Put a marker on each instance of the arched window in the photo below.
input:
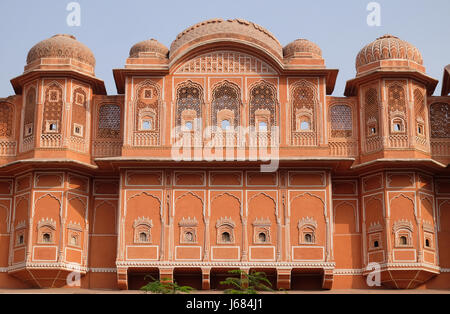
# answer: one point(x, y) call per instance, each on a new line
point(21, 239)
point(341, 121)
point(225, 230)
point(189, 104)
point(46, 231)
point(403, 240)
point(403, 230)
point(262, 126)
point(419, 108)
point(397, 107)
point(147, 120)
point(29, 114)
point(74, 240)
point(262, 106)
point(189, 237)
point(142, 230)
point(307, 227)
point(371, 112)
point(226, 99)
point(308, 238)
point(53, 109)
point(143, 237)
point(188, 126)
point(226, 238)
point(79, 108)
point(305, 125)
point(398, 125)
point(304, 99)
point(225, 124)
point(147, 111)
point(188, 230)
point(376, 244)
point(46, 238)
point(262, 237)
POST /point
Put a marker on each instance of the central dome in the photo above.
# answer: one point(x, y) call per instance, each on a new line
point(227, 30)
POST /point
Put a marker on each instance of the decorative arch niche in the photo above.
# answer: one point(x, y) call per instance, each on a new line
point(341, 118)
point(226, 99)
point(263, 106)
point(147, 114)
point(189, 105)
point(53, 109)
point(304, 106)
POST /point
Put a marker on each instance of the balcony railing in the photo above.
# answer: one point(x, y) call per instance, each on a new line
point(7, 148)
point(343, 147)
point(106, 148)
point(304, 139)
point(51, 140)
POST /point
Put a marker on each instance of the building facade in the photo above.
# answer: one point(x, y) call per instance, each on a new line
point(225, 152)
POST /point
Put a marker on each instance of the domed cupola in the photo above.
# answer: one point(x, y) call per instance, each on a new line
point(302, 52)
point(61, 52)
point(389, 52)
point(149, 48)
point(302, 48)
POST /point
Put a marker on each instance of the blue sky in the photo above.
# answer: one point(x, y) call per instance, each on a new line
point(111, 27)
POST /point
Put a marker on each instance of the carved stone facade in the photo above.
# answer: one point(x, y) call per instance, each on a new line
point(102, 184)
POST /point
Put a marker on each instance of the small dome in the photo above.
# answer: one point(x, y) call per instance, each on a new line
point(61, 46)
point(302, 48)
point(149, 47)
point(388, 47)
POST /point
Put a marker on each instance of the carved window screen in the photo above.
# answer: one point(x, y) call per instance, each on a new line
point(109, 121)
point(341, 121)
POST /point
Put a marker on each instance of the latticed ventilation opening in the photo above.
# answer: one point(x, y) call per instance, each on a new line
point(189, 99)
point(108, 121)
point(226, 98)
point(371, 112)
point(262, 106)
point(341, 121)
point(440, 120)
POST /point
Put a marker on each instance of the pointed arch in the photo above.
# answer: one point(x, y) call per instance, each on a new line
point(263, 104)
point(226, 97)
point(189, 100)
